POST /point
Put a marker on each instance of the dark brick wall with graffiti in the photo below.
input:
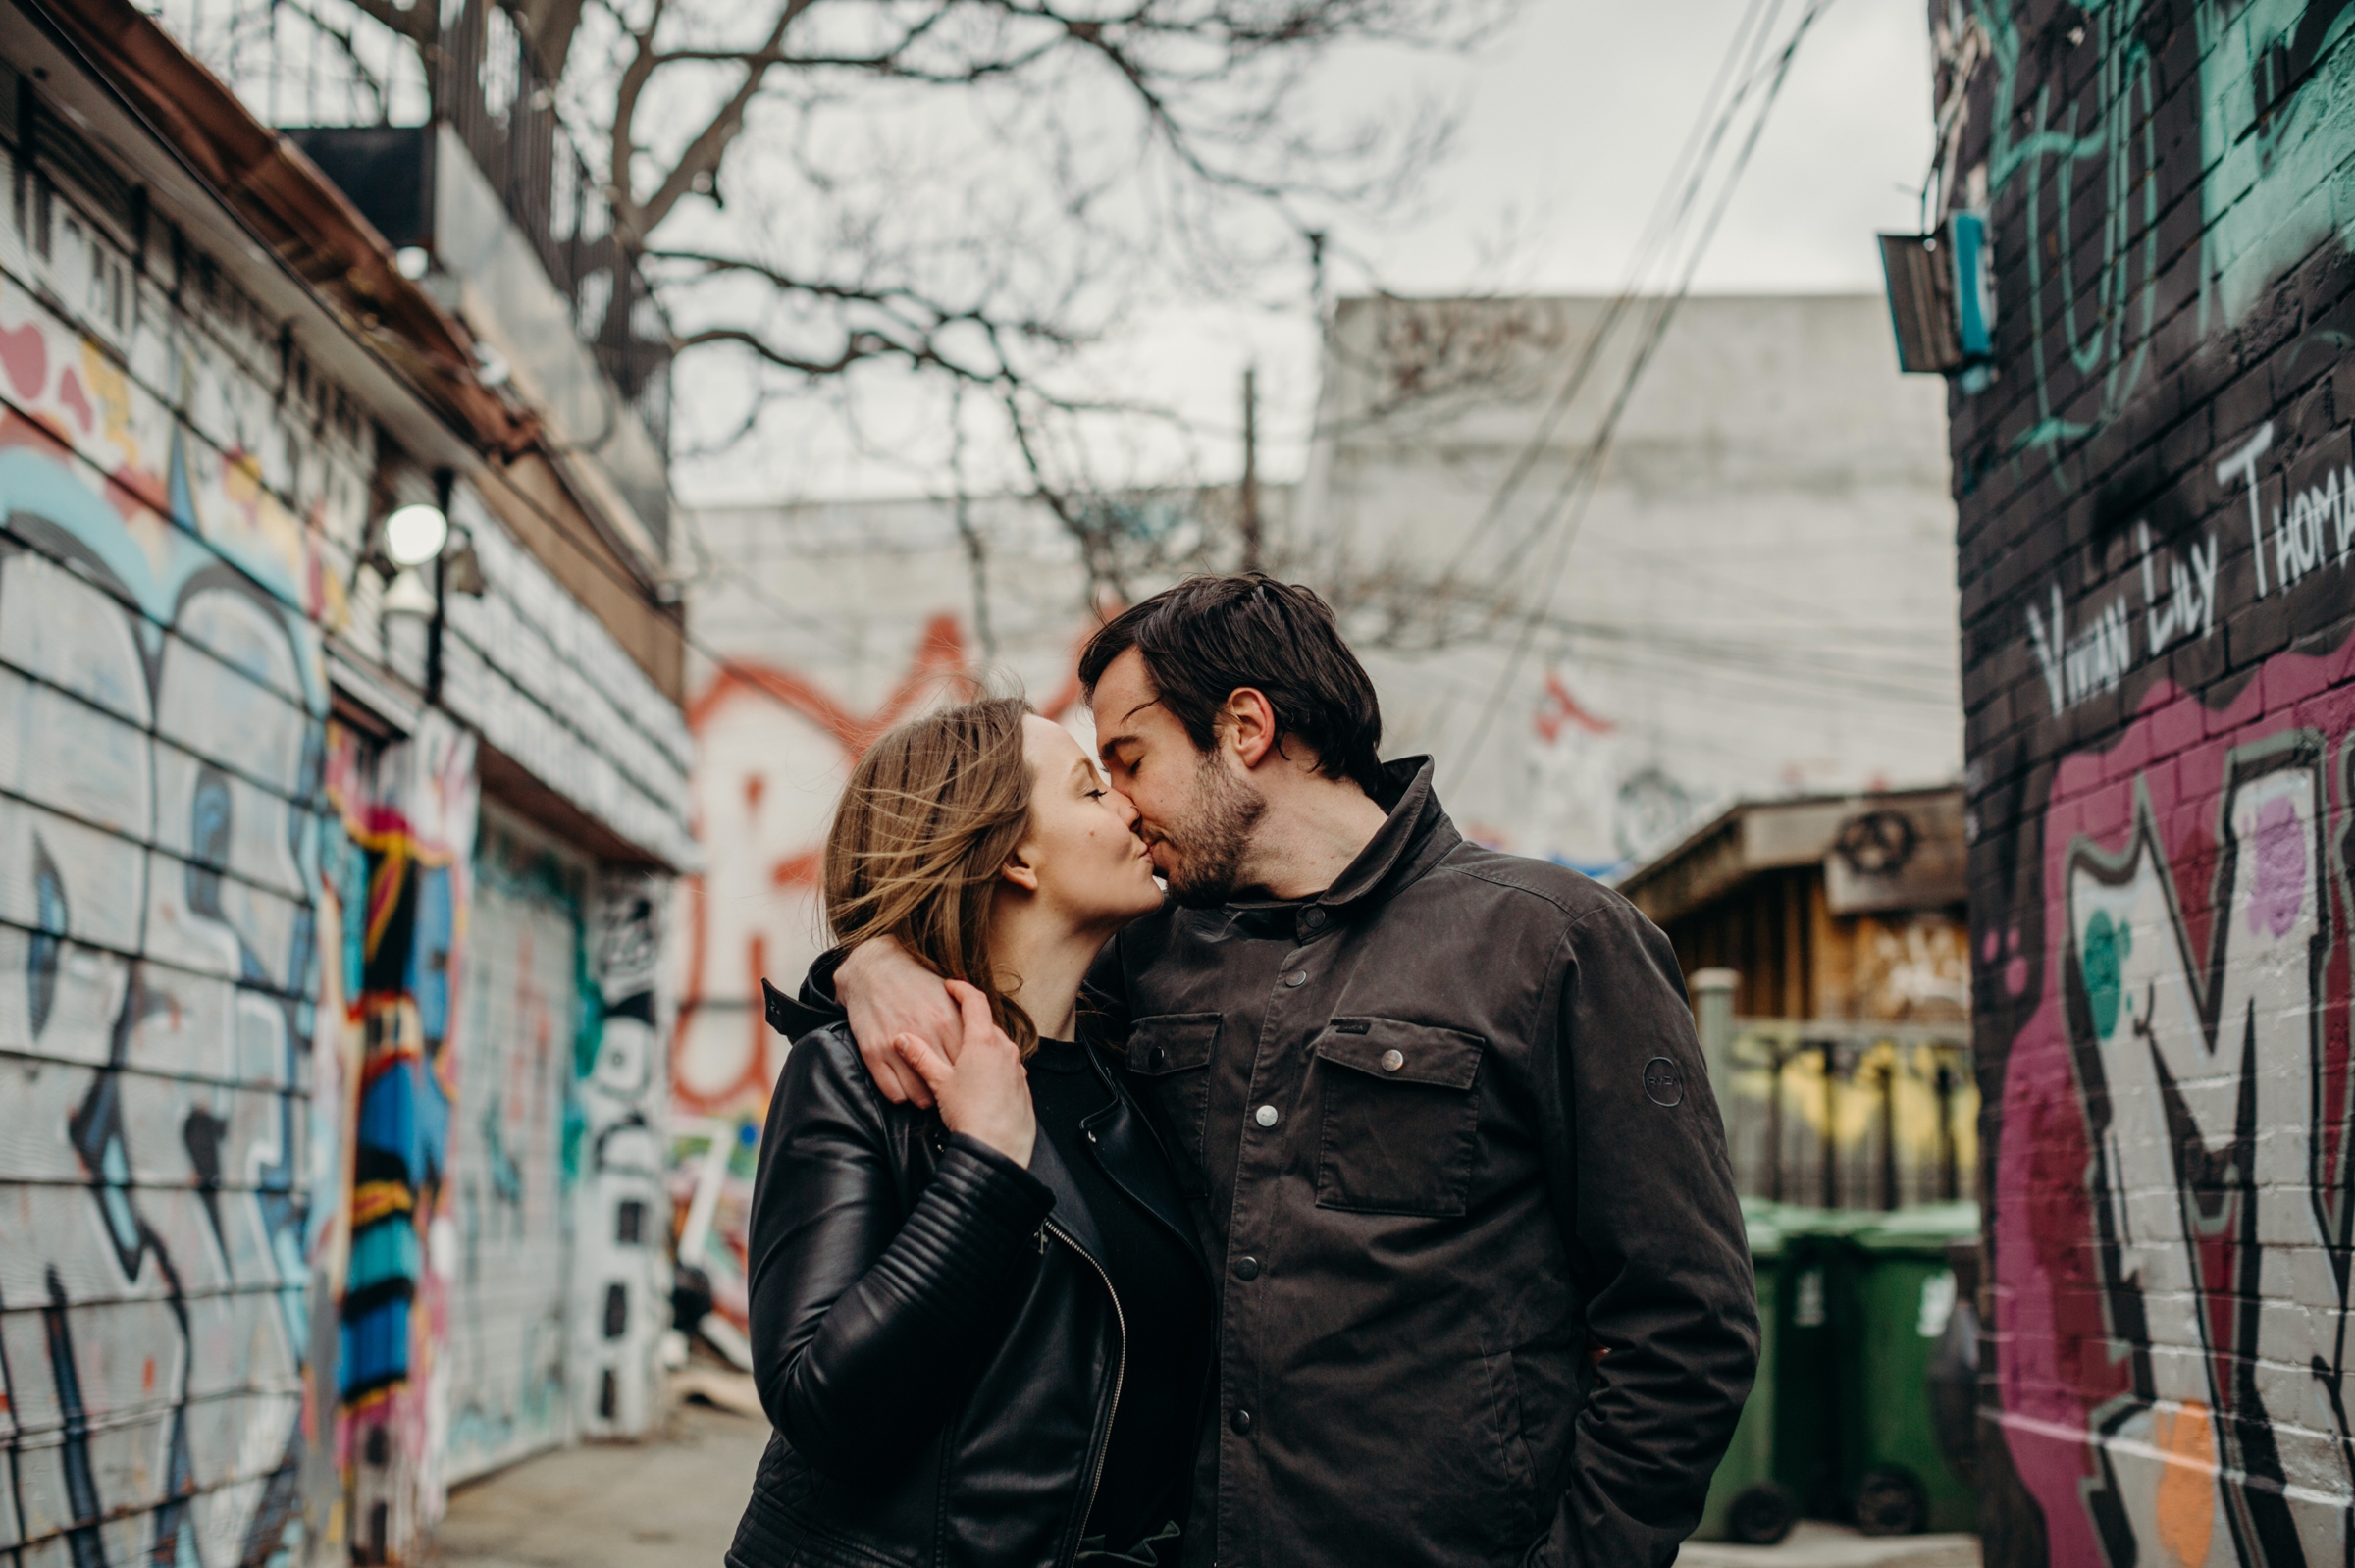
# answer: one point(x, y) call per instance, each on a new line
point(2157, 515)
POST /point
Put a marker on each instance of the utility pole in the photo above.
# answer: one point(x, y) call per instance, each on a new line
point(1250, 485)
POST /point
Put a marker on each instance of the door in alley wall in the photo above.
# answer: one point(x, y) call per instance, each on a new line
point(520, 1011)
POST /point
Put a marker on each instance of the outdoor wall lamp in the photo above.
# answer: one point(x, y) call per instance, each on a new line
point(411, 540)
point(415, 534)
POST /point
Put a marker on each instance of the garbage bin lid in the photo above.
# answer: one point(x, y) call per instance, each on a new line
point(1927, 1228)
point(1797, 1221)
point(1762, 1219)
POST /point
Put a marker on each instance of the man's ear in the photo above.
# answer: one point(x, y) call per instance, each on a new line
point(1248, 720)
point(1018, 870)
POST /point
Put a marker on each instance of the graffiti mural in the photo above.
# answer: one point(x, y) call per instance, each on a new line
point(177, 487)
point(409, 816)
point(2160, 694)
point(292, 1127)
point(614, 1152)
point(159, 990)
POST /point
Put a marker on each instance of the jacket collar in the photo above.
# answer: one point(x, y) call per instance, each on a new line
point(1412, 839)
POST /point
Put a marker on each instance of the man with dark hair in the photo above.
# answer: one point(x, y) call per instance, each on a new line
point(1486, 1293)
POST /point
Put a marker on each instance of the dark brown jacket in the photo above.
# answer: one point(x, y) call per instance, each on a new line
point(1486, 1293)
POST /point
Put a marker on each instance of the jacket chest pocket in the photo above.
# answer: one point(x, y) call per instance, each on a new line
point(1172, 1055)
point(1401, 1117)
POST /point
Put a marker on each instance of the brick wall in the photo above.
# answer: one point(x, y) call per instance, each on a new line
point(2157, 552)
point(294, 1139)
point(174, 490)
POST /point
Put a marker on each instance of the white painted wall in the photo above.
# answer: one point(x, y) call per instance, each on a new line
point(1760, 596)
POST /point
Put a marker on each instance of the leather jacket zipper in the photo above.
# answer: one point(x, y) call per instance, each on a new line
point(1120, 1373)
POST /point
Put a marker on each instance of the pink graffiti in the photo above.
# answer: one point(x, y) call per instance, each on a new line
point(2281, 890)
point(2060, 1371)
point(76, 401)
point(25, 357)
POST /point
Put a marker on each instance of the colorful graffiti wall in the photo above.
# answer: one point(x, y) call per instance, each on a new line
point(2157, 494)
point(407, 814)
point(171, 1196)
point(308, 1089)
point(525, 973)
point(615, 1156)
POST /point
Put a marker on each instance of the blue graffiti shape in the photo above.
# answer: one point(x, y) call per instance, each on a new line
point(82, 1486)
point(53, 917)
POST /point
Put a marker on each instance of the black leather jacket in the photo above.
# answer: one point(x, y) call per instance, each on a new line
point(935, 1342)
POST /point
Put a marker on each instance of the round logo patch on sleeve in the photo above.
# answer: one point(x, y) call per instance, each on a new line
point(1664, 1084)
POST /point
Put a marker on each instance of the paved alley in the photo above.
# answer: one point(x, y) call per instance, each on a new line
point(673, 1499)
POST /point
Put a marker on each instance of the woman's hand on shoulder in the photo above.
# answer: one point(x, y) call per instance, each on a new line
point(985, 1093)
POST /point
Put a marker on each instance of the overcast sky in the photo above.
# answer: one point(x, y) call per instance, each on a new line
point(1572, 118)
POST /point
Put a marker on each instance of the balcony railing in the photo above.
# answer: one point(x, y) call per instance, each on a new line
point(315, 64)
point(1850, 1115)
point(493, 95)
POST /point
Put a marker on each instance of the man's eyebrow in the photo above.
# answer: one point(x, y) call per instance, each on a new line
point(1105, 744)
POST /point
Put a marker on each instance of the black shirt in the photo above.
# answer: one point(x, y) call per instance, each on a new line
point(1165, 1306)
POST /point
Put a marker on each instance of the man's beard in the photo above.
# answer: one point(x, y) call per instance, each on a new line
point(1210, 843)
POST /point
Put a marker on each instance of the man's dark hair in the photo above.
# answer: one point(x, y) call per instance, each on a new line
point(1209, 635)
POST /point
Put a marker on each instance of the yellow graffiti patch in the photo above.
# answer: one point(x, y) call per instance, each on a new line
point(376, 1199)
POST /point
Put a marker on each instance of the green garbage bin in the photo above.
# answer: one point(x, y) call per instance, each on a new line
point(1808, 1359)
point(1747, 1502)
point(1894, 1300)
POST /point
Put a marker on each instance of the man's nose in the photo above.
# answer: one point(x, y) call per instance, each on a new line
point(1121, 804)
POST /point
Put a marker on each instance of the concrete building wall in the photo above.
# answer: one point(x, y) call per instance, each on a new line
point(1756, 598)
point(2155, 527)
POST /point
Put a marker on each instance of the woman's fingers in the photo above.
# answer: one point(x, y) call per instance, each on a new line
point(925, 1061)
point(978, 1024)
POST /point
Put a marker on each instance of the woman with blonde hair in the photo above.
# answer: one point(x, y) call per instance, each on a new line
point(981, 1331)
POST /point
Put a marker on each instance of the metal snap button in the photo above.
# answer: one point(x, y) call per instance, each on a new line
point(1313, 919)
point(1267, 1116)
point(1393, 1061)
point(1246, 1268)
point(1297, 978)
point(1240, 1421)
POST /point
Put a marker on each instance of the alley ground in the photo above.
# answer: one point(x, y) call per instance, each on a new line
point(668, 1503)
point(673, 1502)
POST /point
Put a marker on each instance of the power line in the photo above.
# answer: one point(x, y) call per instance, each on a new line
point(1659, 230)
point(1569, 503)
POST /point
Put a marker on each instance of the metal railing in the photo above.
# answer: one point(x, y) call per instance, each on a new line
point(493, 95)
point(320, 63)
point(1850, 1115)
